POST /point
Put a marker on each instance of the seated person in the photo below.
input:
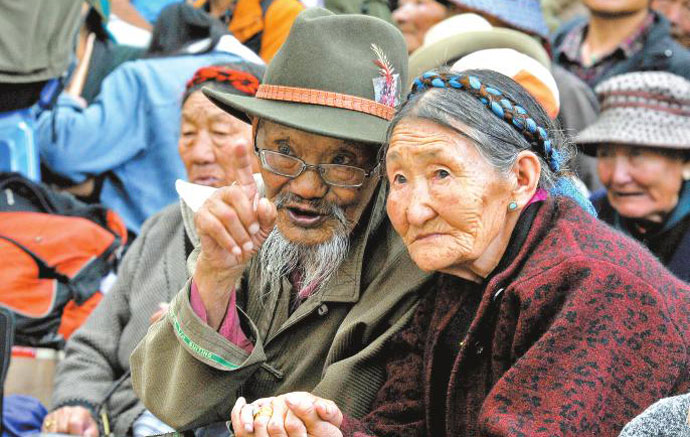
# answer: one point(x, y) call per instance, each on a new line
point(642, 145)
point(544, 321)
point(262, 25)
point(128, 135)
point(95, 370)
point(301, 289)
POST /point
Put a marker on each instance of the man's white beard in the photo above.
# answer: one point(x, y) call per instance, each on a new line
point(314, 264)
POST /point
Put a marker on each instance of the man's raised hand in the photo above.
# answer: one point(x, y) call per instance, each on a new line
point(232, 225)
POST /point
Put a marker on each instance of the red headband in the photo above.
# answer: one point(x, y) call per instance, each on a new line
point(240, 80)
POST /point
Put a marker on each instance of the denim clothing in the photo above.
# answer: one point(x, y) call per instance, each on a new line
point(129, 132)
point(659, 52)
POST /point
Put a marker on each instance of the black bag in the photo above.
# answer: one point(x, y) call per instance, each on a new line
point(6, 342)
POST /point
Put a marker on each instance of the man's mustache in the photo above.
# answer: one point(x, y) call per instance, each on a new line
point(320, 206)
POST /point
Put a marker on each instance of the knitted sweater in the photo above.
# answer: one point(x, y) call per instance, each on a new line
point(665, 418)
point(580, 333)
point(97, 355)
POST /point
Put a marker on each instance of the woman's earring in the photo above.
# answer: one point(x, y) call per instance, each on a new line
point(512, 206)
point(686, 174)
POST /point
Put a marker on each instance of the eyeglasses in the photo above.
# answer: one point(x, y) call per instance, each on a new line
point(336, 175)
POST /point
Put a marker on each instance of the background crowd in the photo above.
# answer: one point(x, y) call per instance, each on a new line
point(101, 103)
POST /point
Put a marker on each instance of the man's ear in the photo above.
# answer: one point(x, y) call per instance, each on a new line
point(526, 172)
point(255, 126)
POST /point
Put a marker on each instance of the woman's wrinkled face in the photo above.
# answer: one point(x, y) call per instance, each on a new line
point(415, 17)
point(208, 136)
point(641, 182)
point(446, 201)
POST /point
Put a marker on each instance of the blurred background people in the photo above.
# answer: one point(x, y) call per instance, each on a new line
point(126, 140)
point(617, 38)
point(415, 17)
point(492, 25)
point(678, 13)
point(262, 26)
point(642, 145)
point(94, 376)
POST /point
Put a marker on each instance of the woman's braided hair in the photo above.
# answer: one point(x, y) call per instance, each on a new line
point(434, 98)
point(500, 105)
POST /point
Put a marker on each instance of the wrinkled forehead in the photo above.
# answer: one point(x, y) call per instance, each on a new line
point(425, 136)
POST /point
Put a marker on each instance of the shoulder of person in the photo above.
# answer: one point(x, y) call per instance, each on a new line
point(166, 221)
point(566, 28)
point(580, 244)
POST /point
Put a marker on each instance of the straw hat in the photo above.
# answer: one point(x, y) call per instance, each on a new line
point(462, 34)
point(336, 75)
point(650, 109)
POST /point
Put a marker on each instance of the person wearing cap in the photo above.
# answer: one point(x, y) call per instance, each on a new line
point(642, 144)
point(544, 320)
point(94, 375)
point(617, 38)
point(296, 286)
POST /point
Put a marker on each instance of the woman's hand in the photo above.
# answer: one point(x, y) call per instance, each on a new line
point(297, 414)
point(232, 225)
point(71, 420)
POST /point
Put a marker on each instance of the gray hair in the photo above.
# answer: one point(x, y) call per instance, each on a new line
point(314, 264)
point(495, 139)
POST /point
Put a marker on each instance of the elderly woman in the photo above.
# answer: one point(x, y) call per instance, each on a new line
point(544, 321)
point(642, 144)
point(92, 382)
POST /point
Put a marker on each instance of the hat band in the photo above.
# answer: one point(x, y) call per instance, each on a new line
point(325, 98)
point(642, 99)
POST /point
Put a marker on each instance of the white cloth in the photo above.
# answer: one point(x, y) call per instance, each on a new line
point(147, 424)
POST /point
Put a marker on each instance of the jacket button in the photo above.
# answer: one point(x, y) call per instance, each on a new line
point(479, 348)
point(323, 309)
point(668, 53)
point(498, 294)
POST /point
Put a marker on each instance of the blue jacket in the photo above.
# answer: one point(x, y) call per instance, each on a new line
point(129, 132)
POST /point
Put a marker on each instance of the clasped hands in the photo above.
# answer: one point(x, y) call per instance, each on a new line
point(297, 414)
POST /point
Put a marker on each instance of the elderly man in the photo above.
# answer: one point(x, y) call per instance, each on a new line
point(299, 290)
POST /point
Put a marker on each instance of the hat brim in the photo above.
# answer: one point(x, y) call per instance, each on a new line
point(614, 127)
point(322, 120)
point(449, 49)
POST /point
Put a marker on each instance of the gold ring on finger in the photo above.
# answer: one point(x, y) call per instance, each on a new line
point(266, 410)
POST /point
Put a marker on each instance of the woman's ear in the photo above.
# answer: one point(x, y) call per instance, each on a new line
point(526, 171)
